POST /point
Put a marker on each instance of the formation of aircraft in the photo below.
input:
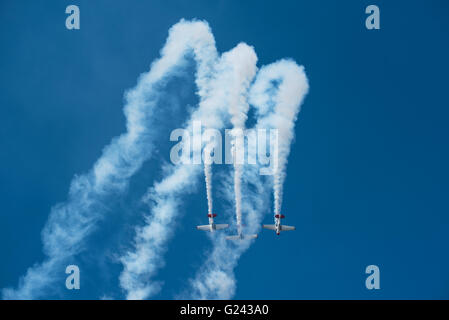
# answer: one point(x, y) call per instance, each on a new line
point(211, 227)
point(277, 226)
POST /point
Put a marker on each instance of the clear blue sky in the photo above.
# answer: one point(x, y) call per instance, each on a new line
point(367, 177)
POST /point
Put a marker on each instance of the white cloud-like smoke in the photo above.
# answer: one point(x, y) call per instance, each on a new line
point(215, 279)
point(225, 88)
point(71, 222)
point(277, 94)
point(141, 263)
point(280, 110)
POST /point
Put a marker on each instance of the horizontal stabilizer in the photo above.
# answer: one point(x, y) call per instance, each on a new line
point(221, 226)
point(279, 216)
point(205, 227)
point(287, 228)
point(213, 215)
point(269, 226)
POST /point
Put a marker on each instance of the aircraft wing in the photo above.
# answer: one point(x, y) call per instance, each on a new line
point(250, 236)
point(205, 227)
point(269, 226)
point(221, 226)
point(245, 237)
point(287, 228)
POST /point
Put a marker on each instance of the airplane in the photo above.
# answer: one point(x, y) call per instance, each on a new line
point(212, 226)
point(241, 236)
point(277, 225)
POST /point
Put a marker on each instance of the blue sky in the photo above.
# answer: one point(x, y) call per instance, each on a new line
point(367, 175)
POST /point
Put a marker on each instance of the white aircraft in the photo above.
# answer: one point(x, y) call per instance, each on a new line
point(277, 225)
point(241, 236)
point(212, 226)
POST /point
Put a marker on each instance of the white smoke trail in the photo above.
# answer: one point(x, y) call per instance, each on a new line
point(277, 94)
point(208, 178)
point(238, 194)
point(149, 243)
point(238, 110)
point(142, 263)
point(71, 222)
point(280, 111)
